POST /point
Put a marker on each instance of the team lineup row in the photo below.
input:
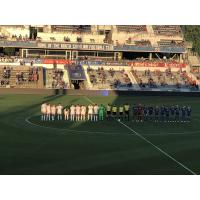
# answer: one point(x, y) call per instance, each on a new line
point(99, 112)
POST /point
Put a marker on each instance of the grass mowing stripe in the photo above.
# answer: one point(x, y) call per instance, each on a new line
point(149, 142)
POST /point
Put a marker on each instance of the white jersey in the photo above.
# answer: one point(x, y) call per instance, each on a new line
point(59, 110)
point(96, 108)
point(72, 110)
point(90, 110)
point(53, 110)
point(48, 109)
point(66, 111)
point(43, 108)
point(83, 110)
point(78, 110)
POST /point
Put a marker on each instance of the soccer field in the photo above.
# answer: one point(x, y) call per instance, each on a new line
point(29, 146)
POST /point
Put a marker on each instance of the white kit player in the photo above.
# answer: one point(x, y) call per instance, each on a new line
point(83, 113)
point(59, 111)
point(48, 112)
point(90, 112)
point(95, 112)
point(66, 113)
point(53, 112)
point(78, 112)
point(43, 111)
point(72, 112)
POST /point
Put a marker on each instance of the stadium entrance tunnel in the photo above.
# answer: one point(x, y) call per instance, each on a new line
point(77, 84)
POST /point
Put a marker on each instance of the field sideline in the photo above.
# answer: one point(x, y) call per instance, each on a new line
point(29, 146)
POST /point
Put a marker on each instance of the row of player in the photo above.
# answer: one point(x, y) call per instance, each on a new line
point(95, 112)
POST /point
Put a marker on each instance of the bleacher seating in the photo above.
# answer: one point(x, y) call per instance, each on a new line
point(54, 78)
point(167, 30)
point(71, 28)
point(21, 77)
point(131, 28)
point(167, 79)
point(113, 79)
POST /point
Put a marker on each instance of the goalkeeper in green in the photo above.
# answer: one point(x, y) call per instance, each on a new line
point(101, 112)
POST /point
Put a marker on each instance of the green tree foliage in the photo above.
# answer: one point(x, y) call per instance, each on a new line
point(192, 34)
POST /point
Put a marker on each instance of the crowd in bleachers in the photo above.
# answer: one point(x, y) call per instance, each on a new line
point(168, 30)
point(169, 79)
point(58, 81)
point(5, 76)
point(109, 78)
point(31, 75)
point(131, 28)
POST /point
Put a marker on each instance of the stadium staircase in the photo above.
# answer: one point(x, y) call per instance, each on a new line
point(133, 80)
point(89, 84)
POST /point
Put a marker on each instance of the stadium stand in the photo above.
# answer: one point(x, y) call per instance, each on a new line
point(164, 79)
point(167, 29)
point(131, 28)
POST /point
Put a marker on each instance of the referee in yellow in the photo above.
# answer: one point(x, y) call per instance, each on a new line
point(114, 111)
point(121, 112)
point(127, 111)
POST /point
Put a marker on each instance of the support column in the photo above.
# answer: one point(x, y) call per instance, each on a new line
point(150, 56)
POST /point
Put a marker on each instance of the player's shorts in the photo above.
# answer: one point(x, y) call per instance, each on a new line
point(114, 113)
point(59, 113)
point(121, 113)
point(83, 113)
point(127, 112)
point(90, 113)
point(108, 112)
point(72, 113)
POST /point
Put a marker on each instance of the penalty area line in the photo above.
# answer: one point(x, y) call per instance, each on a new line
point(158, 148)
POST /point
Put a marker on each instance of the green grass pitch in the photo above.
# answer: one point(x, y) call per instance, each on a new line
point(28, 146)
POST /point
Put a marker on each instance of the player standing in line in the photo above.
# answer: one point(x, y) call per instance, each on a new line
point(66, 113)
point(114, 112)
point(48, 112)
point(121, 112)
point(167, 113)
point(108, 112)
point(101, 112)
point(177, 112)
point(96, 108)
point(53, 112)
point(156, 113)
point(183, 114)
point(90, 112)
point(188, 111)
point(150, 113)
point(162, 113)
point(145, 109)
point(72, 112)
point(59, 111)
point(127, 109)
point(83, 112)
point(43, 111)
point(78, 112)
point(140, 113)
point(172, 113)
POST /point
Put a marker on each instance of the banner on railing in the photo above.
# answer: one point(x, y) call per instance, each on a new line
point(57, 61)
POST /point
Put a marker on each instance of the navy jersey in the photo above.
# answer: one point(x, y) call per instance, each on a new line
point(189, 110)
point(172, 111)
point(145, 110)
point(167, 111)
point(183, 111)
point(150, 110)
point(156, 111)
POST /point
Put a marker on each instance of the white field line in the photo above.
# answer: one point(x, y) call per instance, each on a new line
point(65, 129)
point(155, 146)
point(158, 148)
